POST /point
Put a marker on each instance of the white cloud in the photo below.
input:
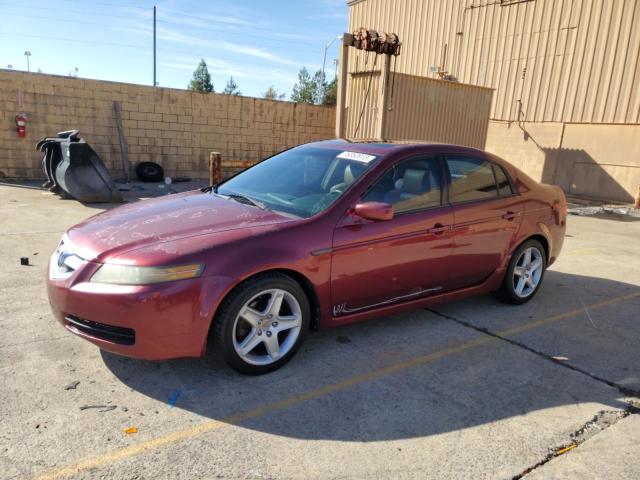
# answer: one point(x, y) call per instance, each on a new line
point(175, 36)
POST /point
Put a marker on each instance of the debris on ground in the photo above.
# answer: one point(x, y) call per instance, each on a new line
point(149, 172)
point(594, 209)
point(343, 339)
point(173, 398)
point(102, 408)
point(74, 170)
point(130, 430)
point(72, 385)
point(24, 261)
point(566, 449)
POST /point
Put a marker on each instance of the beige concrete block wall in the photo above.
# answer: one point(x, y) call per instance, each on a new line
point(175, 128)
point(525, 145)
point(599, 161)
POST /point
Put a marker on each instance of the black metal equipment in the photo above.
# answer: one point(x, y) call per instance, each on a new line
point(74, 169)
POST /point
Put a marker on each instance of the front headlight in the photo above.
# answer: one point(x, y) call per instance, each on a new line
point(132, 275)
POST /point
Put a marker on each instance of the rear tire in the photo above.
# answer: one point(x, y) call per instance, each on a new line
point(524, 275)
point(260, 325)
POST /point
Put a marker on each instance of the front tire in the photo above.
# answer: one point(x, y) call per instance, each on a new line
point(525, 273)
point(261, 324)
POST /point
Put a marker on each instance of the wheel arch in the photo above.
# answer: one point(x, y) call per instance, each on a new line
point(299, 278)
point(543, 241)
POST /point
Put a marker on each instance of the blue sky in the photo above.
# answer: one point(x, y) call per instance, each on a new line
point(259, 43)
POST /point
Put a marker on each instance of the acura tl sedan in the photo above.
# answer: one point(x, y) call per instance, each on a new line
point(321, 235)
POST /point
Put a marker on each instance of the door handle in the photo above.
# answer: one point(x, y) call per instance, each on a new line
point(510, 215)
point(438, 229)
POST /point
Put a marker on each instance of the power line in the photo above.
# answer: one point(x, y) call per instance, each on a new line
point(139, 47)
point(262, 38)
point(109, 4)
point(58, 19)
point(92, 42)
point(75, 12)
point(173, 12)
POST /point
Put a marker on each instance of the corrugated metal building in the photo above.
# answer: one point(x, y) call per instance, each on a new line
point(566, 75)
point(416, 108)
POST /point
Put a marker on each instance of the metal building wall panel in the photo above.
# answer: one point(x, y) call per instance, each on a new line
point(418, 108)
point(362, 108)
point(581, 56)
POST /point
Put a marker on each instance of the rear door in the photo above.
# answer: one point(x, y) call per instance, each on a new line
point(486, 217)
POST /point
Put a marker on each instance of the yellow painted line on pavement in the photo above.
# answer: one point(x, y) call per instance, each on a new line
point(565, 315)
point(211, 425)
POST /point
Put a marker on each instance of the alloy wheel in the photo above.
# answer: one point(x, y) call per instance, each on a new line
point(267, 327)
point(527, 272)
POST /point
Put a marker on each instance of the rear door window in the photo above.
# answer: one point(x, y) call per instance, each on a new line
point(471, 179)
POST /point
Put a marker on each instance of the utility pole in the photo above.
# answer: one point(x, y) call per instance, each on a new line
point(154, 47)
point(28, 54)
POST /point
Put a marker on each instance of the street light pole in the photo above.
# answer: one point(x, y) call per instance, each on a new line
point(28, 54)
point(154, 47)
point(324, 60)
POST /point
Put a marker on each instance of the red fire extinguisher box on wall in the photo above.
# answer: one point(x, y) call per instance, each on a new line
point(21, 125)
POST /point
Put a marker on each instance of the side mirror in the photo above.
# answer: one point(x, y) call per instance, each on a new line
point(375, 211)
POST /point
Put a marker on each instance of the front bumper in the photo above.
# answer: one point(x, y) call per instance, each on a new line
point(154, 322)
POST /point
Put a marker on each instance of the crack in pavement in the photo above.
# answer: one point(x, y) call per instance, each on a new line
point(621, 388)
point(600, 422)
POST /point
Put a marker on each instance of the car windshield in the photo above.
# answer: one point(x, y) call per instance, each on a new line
point(302, 181)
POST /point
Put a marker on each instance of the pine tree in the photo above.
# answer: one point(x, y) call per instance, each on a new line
point(272, 94)
point(306, 90)
point(330, 96)
point(309, 89)
point(201, 81)
point(231, 88)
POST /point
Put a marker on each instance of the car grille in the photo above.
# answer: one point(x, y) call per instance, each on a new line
point(110, 333)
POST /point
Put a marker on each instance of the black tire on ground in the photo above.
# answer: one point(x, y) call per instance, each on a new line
point(507, 292)
point(149, 172)
point(220, 342)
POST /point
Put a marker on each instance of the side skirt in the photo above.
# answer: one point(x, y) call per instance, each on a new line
point(489, 285)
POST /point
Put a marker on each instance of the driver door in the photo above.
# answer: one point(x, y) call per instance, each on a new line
point(378, 263)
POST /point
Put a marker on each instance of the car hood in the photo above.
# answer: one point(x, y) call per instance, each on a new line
point(165, 219)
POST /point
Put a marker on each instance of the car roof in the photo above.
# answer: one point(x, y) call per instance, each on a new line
point(385, 148)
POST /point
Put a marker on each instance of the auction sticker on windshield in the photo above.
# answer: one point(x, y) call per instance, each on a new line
point(358, 157)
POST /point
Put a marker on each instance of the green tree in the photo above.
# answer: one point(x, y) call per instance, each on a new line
point(272, 94)
point(308, 89)
point(231, 88)
point(201, 81)
point(330, 96)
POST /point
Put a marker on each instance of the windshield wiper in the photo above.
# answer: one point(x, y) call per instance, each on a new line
point(246, 200)
point(210, 188)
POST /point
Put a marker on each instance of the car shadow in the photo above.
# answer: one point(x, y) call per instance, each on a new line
point(445, 382)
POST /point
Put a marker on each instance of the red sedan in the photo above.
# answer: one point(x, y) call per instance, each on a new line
point(321, 235)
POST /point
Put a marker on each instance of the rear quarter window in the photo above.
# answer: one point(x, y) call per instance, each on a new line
point(504, 185)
